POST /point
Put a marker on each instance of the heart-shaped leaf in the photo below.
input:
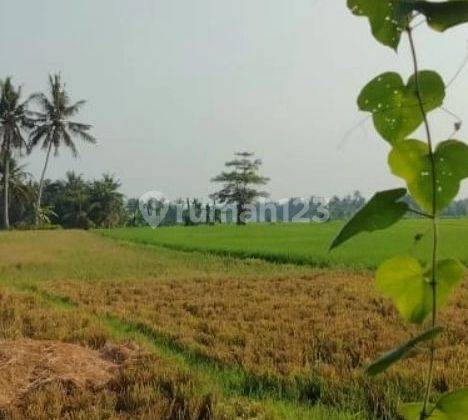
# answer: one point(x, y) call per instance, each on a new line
point(451, 406)
point(394, 106)
point(389, 18)
point(393, 356)
point(442, 15)
point(386, 19)
point(411, 161)
point(454, 405)
point(448, 274)
point(381, 211)
point(403, 280)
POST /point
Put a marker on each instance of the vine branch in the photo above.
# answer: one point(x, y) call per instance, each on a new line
point(424, 413)
point(420, 213)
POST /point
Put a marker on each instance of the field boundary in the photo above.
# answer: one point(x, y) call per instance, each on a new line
point(300, 245)
point(243, 255)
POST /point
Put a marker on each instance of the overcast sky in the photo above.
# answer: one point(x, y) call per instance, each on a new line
point(174, 87)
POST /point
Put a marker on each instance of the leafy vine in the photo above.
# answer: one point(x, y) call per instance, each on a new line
point(433, 175)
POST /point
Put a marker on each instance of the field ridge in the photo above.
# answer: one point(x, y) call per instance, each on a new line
point(302, 244)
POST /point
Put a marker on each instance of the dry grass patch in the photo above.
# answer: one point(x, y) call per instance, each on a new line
point(28, 365)
point(328, 323)
point(42, 378)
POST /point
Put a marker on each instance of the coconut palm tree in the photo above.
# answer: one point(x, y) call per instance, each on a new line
point(21, 191)
point(53, 126)
point(13, 119)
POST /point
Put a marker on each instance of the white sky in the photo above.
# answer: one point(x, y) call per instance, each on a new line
point(176, 86)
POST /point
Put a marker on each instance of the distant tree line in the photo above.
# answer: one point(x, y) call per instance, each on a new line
point(212, 212)
point(457, 208)
point(345, 207)
point(239, 188)
point(72, 202)
point(77, 203)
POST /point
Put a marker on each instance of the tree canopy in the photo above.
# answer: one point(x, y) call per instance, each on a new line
point(240, 180)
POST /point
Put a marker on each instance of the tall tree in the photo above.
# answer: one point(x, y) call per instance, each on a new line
point(13, 119)
point(20, 190)
point(53, 125)
point(75, 202)
point(106, 202)
point(239, 183)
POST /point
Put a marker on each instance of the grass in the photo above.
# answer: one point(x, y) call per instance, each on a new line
point(34, 267)
point(273, 340)
point(305, 243)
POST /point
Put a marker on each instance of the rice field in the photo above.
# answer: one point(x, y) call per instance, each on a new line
point(306, 243)
point(217, 335)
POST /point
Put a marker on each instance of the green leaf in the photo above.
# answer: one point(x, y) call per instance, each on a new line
point(454, 405)
point(394, 106)
point(389, 18)
point(393, 356)
point(385, 17)
point(412, 411)
point(383, 210)
point(448, 274)
point(411, 161)
point(451, 406)
point(403, 280)
point(443, 15)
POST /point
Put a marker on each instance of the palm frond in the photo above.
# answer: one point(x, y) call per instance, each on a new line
point(55, 139)
point(38, 133)
point(71, 110)
point(80, 130)
point(13, 117)
point(69, 143)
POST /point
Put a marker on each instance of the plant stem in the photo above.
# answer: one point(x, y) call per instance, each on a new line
point(6, 184)
point(425, 414)
point(420, 213)
point(41, 184)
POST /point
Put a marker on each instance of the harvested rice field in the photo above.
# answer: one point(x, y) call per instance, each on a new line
point(195, 335)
